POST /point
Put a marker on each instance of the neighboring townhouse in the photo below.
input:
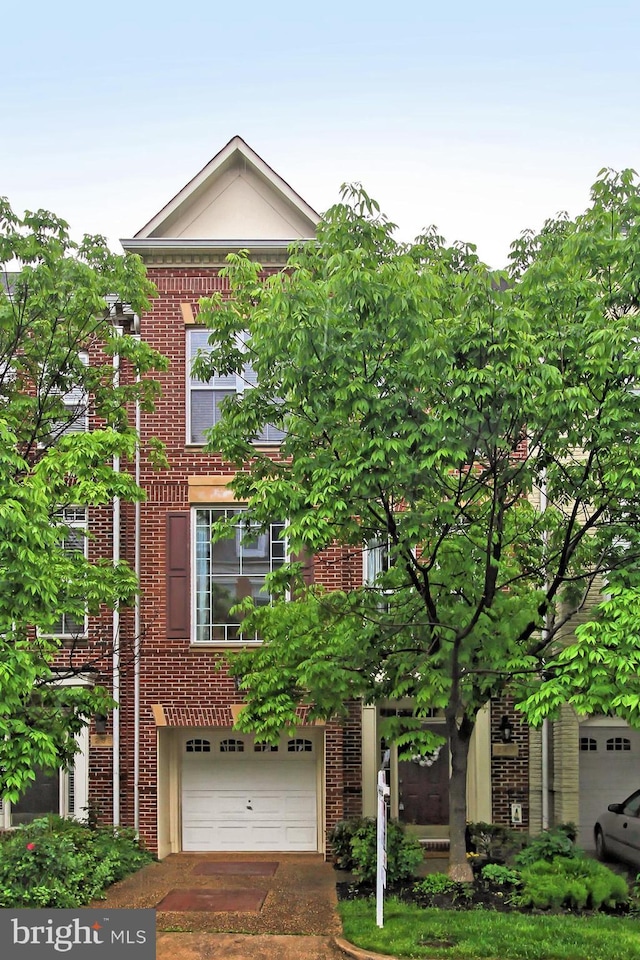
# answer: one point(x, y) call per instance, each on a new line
point(168, 761)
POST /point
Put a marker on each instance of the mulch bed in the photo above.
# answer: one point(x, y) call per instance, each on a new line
point(481, 894)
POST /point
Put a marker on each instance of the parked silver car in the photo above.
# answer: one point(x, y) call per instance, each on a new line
point(617, 832)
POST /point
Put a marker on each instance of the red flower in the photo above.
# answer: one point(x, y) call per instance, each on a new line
point(31, 846)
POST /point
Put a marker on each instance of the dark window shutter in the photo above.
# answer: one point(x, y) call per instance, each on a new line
point(178, 605)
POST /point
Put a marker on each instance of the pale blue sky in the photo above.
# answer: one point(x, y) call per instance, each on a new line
point(481, 118)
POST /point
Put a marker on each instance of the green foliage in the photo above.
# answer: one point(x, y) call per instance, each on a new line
point(340, 837)
point(546, 846)
point(577, 883)
point(435, 884)
point(60, 863)
point(404, 853)
point(427, 402)
point(494, 841)
point(500, 874)
point(55, 314)
point(569, 828)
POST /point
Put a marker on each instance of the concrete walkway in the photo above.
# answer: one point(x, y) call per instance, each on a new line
point(298, 919)
point(234, 946)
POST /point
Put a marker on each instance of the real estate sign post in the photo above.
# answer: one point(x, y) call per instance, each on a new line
point(381, 870)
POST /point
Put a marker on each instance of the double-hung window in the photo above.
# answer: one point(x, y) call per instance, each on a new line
point(230, 570)
point(75, 541)
point(76, 403)
point(376, 560)
point(205, 397)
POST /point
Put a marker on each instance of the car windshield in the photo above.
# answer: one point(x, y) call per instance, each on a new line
point(631, 806)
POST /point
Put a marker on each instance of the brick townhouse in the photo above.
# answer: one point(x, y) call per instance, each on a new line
point(168, 760)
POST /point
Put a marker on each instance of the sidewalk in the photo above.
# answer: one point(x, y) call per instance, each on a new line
point(234, 946)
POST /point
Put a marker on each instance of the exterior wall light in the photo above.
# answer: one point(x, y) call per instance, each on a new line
point(100, 721)
point(506, 729)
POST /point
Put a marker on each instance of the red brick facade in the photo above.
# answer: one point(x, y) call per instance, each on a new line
point(189, 682)
point(509, 773)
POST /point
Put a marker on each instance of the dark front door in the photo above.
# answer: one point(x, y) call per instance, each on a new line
point(423, 790)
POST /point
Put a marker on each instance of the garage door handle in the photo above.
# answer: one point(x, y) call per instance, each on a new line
point(249, 807)
point(625, 825)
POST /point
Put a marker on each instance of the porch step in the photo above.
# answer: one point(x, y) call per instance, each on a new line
point(435, 844)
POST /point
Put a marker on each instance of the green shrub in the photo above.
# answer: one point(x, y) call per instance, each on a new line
point(500, 875)
point(577, 883)
point(60, 863)
point(436, 883)
point(404, 853)
point(570, 828)
point(340, 838)
point(494, 841)
point(546, 846)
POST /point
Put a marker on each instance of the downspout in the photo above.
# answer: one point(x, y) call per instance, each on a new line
point(136, 629)
point(116, 623)
point(544, 757)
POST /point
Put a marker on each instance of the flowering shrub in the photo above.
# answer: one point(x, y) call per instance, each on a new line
point(61, 863)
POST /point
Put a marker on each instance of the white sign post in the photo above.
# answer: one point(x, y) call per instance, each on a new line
point(381, 863)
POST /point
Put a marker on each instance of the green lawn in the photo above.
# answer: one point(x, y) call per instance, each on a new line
point(473, 934)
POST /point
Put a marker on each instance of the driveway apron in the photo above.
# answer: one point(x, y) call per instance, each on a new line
point(206, 904)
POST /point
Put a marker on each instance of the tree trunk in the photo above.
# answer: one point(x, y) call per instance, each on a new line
point(459, 740)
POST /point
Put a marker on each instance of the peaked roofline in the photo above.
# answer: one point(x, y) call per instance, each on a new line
point(197, 183)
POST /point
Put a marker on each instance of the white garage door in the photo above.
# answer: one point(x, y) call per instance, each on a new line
point(609, 771)
point(238, 795)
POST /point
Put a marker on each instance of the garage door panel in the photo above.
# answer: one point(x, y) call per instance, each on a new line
point(258, 836)
point(249, 801)
point(291, 802)
point(609, 772)
point(300, 838)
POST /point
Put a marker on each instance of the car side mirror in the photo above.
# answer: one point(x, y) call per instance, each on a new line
point(615, 807)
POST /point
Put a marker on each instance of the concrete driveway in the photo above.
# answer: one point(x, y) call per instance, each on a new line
point(237, 906)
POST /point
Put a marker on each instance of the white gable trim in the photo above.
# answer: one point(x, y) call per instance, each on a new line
point(213, 170)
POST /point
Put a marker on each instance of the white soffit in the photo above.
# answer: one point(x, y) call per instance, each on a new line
point(236, 196)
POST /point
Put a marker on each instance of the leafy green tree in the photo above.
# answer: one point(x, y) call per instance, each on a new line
point(480, 428)
point(58, 341)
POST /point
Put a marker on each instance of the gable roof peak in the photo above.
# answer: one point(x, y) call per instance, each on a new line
point(236, 195)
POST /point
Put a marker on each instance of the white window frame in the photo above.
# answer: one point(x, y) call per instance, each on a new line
point(73, 791)
point(229, 385)
point(203, 632)
point(76, 401)
point(76, 518)
point(376, 556)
